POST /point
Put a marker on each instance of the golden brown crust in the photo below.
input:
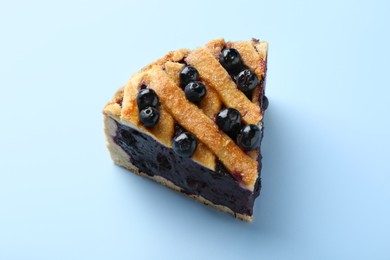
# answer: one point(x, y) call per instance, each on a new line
point(253, 54)
point(164, 129)
point(173, 56)
point(163, 76)
point(173, 70)
point(114, 106)
point(215, 76)
point(262, 49)
point(249, 56)
point(210, 105)
point(254, 60)
point(193, 119)
point(204, 156)
point(215, 47)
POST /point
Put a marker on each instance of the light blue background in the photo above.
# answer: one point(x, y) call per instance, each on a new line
point(326, 180)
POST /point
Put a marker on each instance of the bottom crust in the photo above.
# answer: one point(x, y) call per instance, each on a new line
point(121, 158)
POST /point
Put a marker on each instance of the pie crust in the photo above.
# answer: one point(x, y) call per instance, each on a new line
point(199, 119)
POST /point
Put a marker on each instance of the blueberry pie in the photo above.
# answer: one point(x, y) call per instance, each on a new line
point(192, 121)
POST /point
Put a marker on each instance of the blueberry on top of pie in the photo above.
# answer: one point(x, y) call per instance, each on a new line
point(192, 121)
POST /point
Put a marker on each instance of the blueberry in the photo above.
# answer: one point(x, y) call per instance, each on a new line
point(247, 80)
point(147, 98)
point(126, 138)
point(188, 74)
point(264, 103)
point(229, 120)
point(195, 91)
point(230, 59)
point(249, 137)
point(149, 116)
point(184, 144)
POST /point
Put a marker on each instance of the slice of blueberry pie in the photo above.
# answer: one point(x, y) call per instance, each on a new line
point(192, 121)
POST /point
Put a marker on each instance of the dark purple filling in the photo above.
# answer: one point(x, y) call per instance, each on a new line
point(216, 186)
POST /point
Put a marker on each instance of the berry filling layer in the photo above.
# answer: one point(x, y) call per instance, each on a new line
point(155, 159)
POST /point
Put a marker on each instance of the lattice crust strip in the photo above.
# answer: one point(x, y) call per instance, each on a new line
point(191, 117)
point(212, 72)
point(163, 77)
